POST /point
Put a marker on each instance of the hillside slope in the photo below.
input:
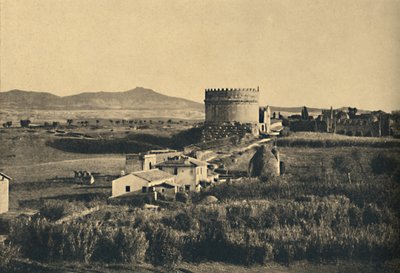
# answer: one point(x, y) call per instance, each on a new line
point(138, 98)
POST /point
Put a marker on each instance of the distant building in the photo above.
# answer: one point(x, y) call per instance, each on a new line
point(265, 120)
point(83, 177)
point(153, 180)
point(147, 161)
point(189, 171)
point(4, 192)
point(374, 124)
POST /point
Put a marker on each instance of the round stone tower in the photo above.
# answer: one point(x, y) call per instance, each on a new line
point(232, 105)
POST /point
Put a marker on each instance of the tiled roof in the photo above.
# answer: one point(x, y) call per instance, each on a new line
point(152, 175)
point(182, 161)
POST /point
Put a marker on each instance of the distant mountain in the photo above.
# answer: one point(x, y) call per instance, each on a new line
point(296, 109)
point(135, 99)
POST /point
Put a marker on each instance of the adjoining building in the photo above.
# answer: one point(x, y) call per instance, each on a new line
point(147, 161)
point(4, 192)
point(373, 124)
point(189, 171)
point(147, 181)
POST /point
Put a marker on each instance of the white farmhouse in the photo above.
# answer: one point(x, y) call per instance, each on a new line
point(189, 171)
point(144, 181)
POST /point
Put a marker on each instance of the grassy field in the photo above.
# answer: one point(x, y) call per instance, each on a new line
point(327, 140)
point(215, 267)
point(62, 115)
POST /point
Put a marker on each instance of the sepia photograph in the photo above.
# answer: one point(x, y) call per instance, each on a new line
point(199, 136)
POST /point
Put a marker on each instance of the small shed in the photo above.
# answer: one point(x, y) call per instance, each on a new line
point(4, 192)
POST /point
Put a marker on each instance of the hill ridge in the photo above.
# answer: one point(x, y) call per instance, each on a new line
point(137, 98)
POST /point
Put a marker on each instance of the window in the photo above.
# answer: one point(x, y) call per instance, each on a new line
point(144, 189)
point(187, 187)
point(175, 170)
point(127, 188)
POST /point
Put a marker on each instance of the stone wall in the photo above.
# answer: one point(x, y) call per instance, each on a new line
point(358, 127)
point(212, 132)
point(308, 126)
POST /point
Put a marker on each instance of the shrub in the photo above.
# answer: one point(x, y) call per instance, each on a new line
point(52, 242)
point(342, 164)
point(7, 253)
point(383, 164)
point(53, 210)
point(164, 247)
point(182, 197)
point(355, 216)
point(183, 222)
point(131, 245)
point(371, 215)
point(123, 245)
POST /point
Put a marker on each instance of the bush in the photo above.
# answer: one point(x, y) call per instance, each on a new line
point(183, 222)
point(164, 247)
point(7, 253)
point(342, 164)
point(371, 215)
point(53, 210)
point(131, 245)
point(75, 241)
point(355, 216)
point(182, 197)
point(383, 164)
point(122, 246)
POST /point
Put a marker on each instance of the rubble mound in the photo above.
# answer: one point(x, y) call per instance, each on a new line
point(264, 163)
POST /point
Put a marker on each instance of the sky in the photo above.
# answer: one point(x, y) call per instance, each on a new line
point(299, 52)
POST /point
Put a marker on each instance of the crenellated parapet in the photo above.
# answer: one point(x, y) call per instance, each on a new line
point(232, 89)
point(232, 94)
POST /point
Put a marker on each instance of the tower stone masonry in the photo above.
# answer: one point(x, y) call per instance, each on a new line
point(232, 105)
point(231, 112)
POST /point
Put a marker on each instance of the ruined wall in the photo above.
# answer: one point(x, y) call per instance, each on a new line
point(358, 127)
point(232, 105)
point(212, 132)
point(133, 163)
point(264, 119)
point(308, 126)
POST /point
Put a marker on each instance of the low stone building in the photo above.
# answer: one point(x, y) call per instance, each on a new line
point(153, 180)
point(4, 192)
